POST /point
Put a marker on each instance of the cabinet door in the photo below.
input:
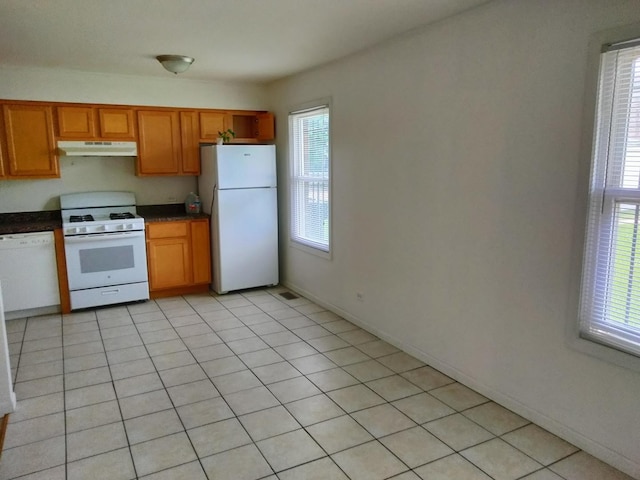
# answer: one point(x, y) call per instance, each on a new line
point(169, 262)
point(210, 124)
point(190, 134)
point(265, 126)
point(30, 142)
point(76, 122)
point(116, 123)
point(3, 150)
point(169, 255)
point(159, 150)
point(201, 251)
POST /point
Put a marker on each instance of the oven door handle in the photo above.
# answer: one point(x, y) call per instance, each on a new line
point(101, 236)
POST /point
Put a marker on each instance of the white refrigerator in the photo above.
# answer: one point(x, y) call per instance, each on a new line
point(238, 188)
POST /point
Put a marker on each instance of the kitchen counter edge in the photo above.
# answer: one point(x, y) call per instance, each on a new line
point(167, 213)
point(49, 220)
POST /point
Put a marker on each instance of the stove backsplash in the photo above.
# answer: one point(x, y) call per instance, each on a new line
point(92, 174)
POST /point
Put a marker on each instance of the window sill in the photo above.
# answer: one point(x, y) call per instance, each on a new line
point(603, 352)
point(313, 251)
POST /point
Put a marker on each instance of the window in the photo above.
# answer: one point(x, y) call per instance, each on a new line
point(610, 295)
point(310, 188)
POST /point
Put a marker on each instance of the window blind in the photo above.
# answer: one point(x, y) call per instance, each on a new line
point(610, 296)
point(310, 163)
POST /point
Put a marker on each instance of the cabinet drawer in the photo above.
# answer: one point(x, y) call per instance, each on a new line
point(167, 229)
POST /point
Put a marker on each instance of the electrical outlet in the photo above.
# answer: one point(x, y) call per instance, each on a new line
point(172, 199)
point(360, 296)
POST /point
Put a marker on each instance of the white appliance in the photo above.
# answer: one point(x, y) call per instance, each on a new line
point(105, 248)
point(29, 274)
point(74, 148)
point(7, 395)
point(238, 187)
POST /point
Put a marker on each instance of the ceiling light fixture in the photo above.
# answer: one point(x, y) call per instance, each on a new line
point(175, 63)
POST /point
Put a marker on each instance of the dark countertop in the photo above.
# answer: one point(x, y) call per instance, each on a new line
point(167, 213)
point(49, 220)
point(27, 222)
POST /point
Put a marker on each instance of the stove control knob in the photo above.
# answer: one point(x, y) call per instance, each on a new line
point(81, 230)
point(129, 226)
point(122, 227)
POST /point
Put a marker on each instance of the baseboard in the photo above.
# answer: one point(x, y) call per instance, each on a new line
point(622, 463)
point(32, 312)
point(172, 292)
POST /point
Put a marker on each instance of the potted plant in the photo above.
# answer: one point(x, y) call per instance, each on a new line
point(225, 136)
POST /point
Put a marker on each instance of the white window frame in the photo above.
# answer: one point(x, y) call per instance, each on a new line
point(298, 179)
point(599, 332)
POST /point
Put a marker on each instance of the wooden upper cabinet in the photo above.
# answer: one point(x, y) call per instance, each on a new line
point(31, 150)
point(159, 145)
point(265, 126)
point(168, 142)
point(117, 123)
point(76, 122)
point(190, 137)
point(89, 123)
point(210, 124)
point(251, 127)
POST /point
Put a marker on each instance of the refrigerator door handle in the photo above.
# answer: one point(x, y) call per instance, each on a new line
point(213, 197)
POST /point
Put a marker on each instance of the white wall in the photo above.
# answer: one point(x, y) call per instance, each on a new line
point(457, 154)
point(119, 173)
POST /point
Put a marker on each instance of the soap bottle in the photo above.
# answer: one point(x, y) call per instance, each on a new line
point(189, 203)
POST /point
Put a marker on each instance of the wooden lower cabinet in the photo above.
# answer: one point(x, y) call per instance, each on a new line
point(63, 279)
point(3, 429)
point(178, 257)
point(201, 245)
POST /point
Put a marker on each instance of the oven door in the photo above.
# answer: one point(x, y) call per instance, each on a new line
point(108, 259)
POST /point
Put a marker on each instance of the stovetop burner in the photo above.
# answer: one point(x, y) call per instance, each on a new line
point(121, 216)
point(104, 213)
point(81, 218)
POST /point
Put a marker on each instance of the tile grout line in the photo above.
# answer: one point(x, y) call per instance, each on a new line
point(286, 361)
point(126, 434)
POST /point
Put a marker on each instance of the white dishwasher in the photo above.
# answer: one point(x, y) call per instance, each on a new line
point(29, 274)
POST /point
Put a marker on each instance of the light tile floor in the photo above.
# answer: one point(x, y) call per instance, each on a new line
point(253, 386)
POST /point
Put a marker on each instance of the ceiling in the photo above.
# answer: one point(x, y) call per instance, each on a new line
point(235, 40)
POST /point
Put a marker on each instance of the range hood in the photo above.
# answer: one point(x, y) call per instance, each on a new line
point(97, 149)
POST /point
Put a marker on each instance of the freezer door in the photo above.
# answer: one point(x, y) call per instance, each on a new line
point(245, 166)
point(245, 239)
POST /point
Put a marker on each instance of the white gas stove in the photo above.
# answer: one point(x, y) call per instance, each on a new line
point(105, 248)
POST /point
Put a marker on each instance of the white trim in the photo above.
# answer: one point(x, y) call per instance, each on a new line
point(311, 250)
point(319, 251)
point(573, 339)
